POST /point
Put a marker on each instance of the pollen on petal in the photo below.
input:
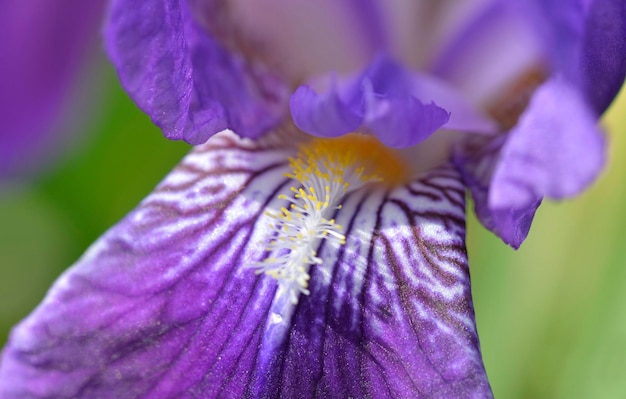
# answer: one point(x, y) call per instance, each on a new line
point(324, 171)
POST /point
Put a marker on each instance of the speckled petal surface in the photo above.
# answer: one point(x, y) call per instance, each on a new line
point(164, 305)
point(392, 317)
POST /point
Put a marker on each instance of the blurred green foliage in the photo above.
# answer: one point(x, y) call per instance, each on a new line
point(551, 316)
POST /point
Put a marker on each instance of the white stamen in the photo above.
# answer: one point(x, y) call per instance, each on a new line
point(325, 175)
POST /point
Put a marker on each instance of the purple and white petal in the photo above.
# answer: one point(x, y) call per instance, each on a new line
point(163, 305)
point(187, 82)
point(392, 317)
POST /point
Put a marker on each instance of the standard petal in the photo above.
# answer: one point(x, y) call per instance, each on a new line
point(43, 45)
point(585, 41)
point(604, 52)
point(392, 316)
point(489, 51)
point(297, 38)
point(188, 84)
point(556, 150)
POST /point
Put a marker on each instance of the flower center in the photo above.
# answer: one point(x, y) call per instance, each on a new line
point(325, 171)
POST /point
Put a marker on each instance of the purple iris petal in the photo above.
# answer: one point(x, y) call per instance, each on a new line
point(43, 45)
point(477, 160)
point(556, 150)
point(163, 305)
point(604, 52)
point(398, 106)
point(324, 115)
point(394, 318)
point(480, 59)
point(464, 116)
point(405, 122)
point(586, 42)
point(183, 79)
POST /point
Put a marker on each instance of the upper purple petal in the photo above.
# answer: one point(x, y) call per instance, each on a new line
point(488, 51)
point(164, 305)
point(400, 107)
point(186, 81)
point(586, 42)
point(43, 45)
point(324, 115)
point(604, 52)
point(556, 150)
point(297, 38)
point(410, 122)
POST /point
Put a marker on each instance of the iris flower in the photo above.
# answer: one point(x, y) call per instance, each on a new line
point(313, 243)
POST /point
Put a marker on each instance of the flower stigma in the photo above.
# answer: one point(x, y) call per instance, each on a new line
point(325, 171)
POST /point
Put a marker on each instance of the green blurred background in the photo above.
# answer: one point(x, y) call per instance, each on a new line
point(551, 316)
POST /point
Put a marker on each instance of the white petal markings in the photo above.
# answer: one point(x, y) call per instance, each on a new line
point(163, 305)
point(324, 172)
point(392, 307)
point(420, 254)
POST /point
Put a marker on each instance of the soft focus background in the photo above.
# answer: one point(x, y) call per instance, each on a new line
point(551, 316)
